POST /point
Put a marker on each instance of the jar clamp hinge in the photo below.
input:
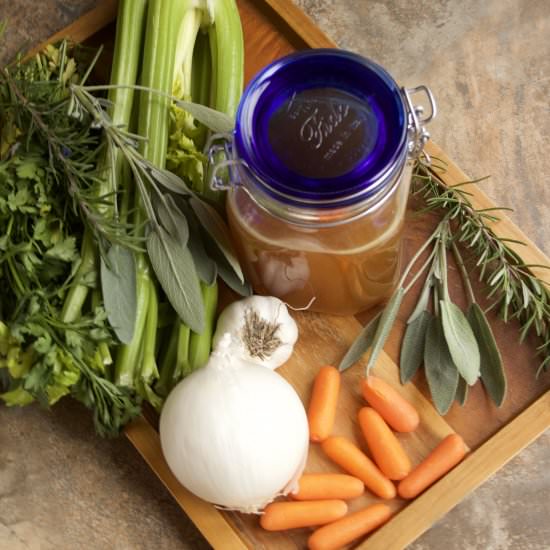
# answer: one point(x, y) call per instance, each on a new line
point(222, 162)
point(417, 131)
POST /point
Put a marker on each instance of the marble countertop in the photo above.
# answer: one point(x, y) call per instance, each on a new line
point(488, 64)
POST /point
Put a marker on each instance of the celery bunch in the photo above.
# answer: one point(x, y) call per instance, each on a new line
point(194, 52)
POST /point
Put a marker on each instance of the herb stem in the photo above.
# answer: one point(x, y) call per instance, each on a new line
point(421, 270)
point(463, 273)
point(419, 252)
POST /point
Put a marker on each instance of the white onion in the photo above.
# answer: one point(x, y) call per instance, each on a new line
point(234, 433)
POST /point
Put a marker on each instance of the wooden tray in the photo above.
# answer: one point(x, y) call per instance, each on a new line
point(273, 28)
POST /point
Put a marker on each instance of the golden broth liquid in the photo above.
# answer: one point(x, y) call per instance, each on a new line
point(344, 269)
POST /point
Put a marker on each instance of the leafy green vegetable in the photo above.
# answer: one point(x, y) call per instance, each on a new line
point(461, 341)
point(441, 372)
point(412, 348)
point(492, 370)
point(361, 344)
point(118, 285)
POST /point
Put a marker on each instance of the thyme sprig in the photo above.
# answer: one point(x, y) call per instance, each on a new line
point(514, 290)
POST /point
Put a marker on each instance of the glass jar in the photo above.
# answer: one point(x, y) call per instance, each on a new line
point(319, 170)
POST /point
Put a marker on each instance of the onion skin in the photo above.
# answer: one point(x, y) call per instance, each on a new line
point(235, 434)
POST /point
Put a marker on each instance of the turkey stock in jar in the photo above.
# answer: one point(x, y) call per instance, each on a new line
point(320, 165)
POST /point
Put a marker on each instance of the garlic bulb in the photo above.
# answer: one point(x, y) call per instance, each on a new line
point(235, 433)
point(261, 327)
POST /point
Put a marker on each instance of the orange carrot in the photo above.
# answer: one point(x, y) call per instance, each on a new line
point(326, 486)
point(444, 457)
point(349, 457)
point(346, 530)
point(393, 408)
point(384, 446)
point(322, 407)
point(291, 515)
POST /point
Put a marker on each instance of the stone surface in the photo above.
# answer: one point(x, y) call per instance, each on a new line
point(488, 63)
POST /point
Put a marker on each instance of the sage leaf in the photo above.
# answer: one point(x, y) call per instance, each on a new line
point(492, 369)
point(167, 179)
point(225, 271)
point(206, 267)
point(218, 230)
point(384, 326)
point(118, 285)
point(172, 218)
point(412, 349)
point(423, 299)
point(461, 341)
point(204, 264)
point(361, 344)
point(461, 391)
point(441, 372)
point(175, 270)
point(214, 120)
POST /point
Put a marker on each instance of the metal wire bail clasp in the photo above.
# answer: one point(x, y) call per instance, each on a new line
point(221, 162)
point(417, 119)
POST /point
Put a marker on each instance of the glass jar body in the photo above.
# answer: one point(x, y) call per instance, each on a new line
point(337, 262)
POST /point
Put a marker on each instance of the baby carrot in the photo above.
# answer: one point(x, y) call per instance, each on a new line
point(393, 408)
point(349, 528)
point(349, 457)
point(323, 486)
point(384, 446)
point(444, 457)
point(322, 407)
point(278, 516)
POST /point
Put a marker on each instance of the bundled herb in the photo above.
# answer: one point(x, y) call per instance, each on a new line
point(48, 176)
point(456, 348)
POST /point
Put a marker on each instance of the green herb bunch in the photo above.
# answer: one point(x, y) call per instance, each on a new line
point(458, 348)
point(515, 292)
point(44, 153)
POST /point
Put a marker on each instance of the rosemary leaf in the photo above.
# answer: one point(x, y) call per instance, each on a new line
point(461, 341)
point(118, 285)
point(492, 370)
point(412, 349)
point(361, 344)
point(384, 327)
point(441, 372)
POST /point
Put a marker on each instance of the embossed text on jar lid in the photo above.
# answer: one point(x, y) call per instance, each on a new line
point(322, 126)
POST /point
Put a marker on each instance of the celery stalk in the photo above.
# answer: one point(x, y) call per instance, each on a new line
point(200, 344)
point(129, 31)
point(226, 42)
point(161, 37)
point(168, 364)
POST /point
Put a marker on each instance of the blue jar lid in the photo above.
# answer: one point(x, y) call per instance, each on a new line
point(322, 127)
